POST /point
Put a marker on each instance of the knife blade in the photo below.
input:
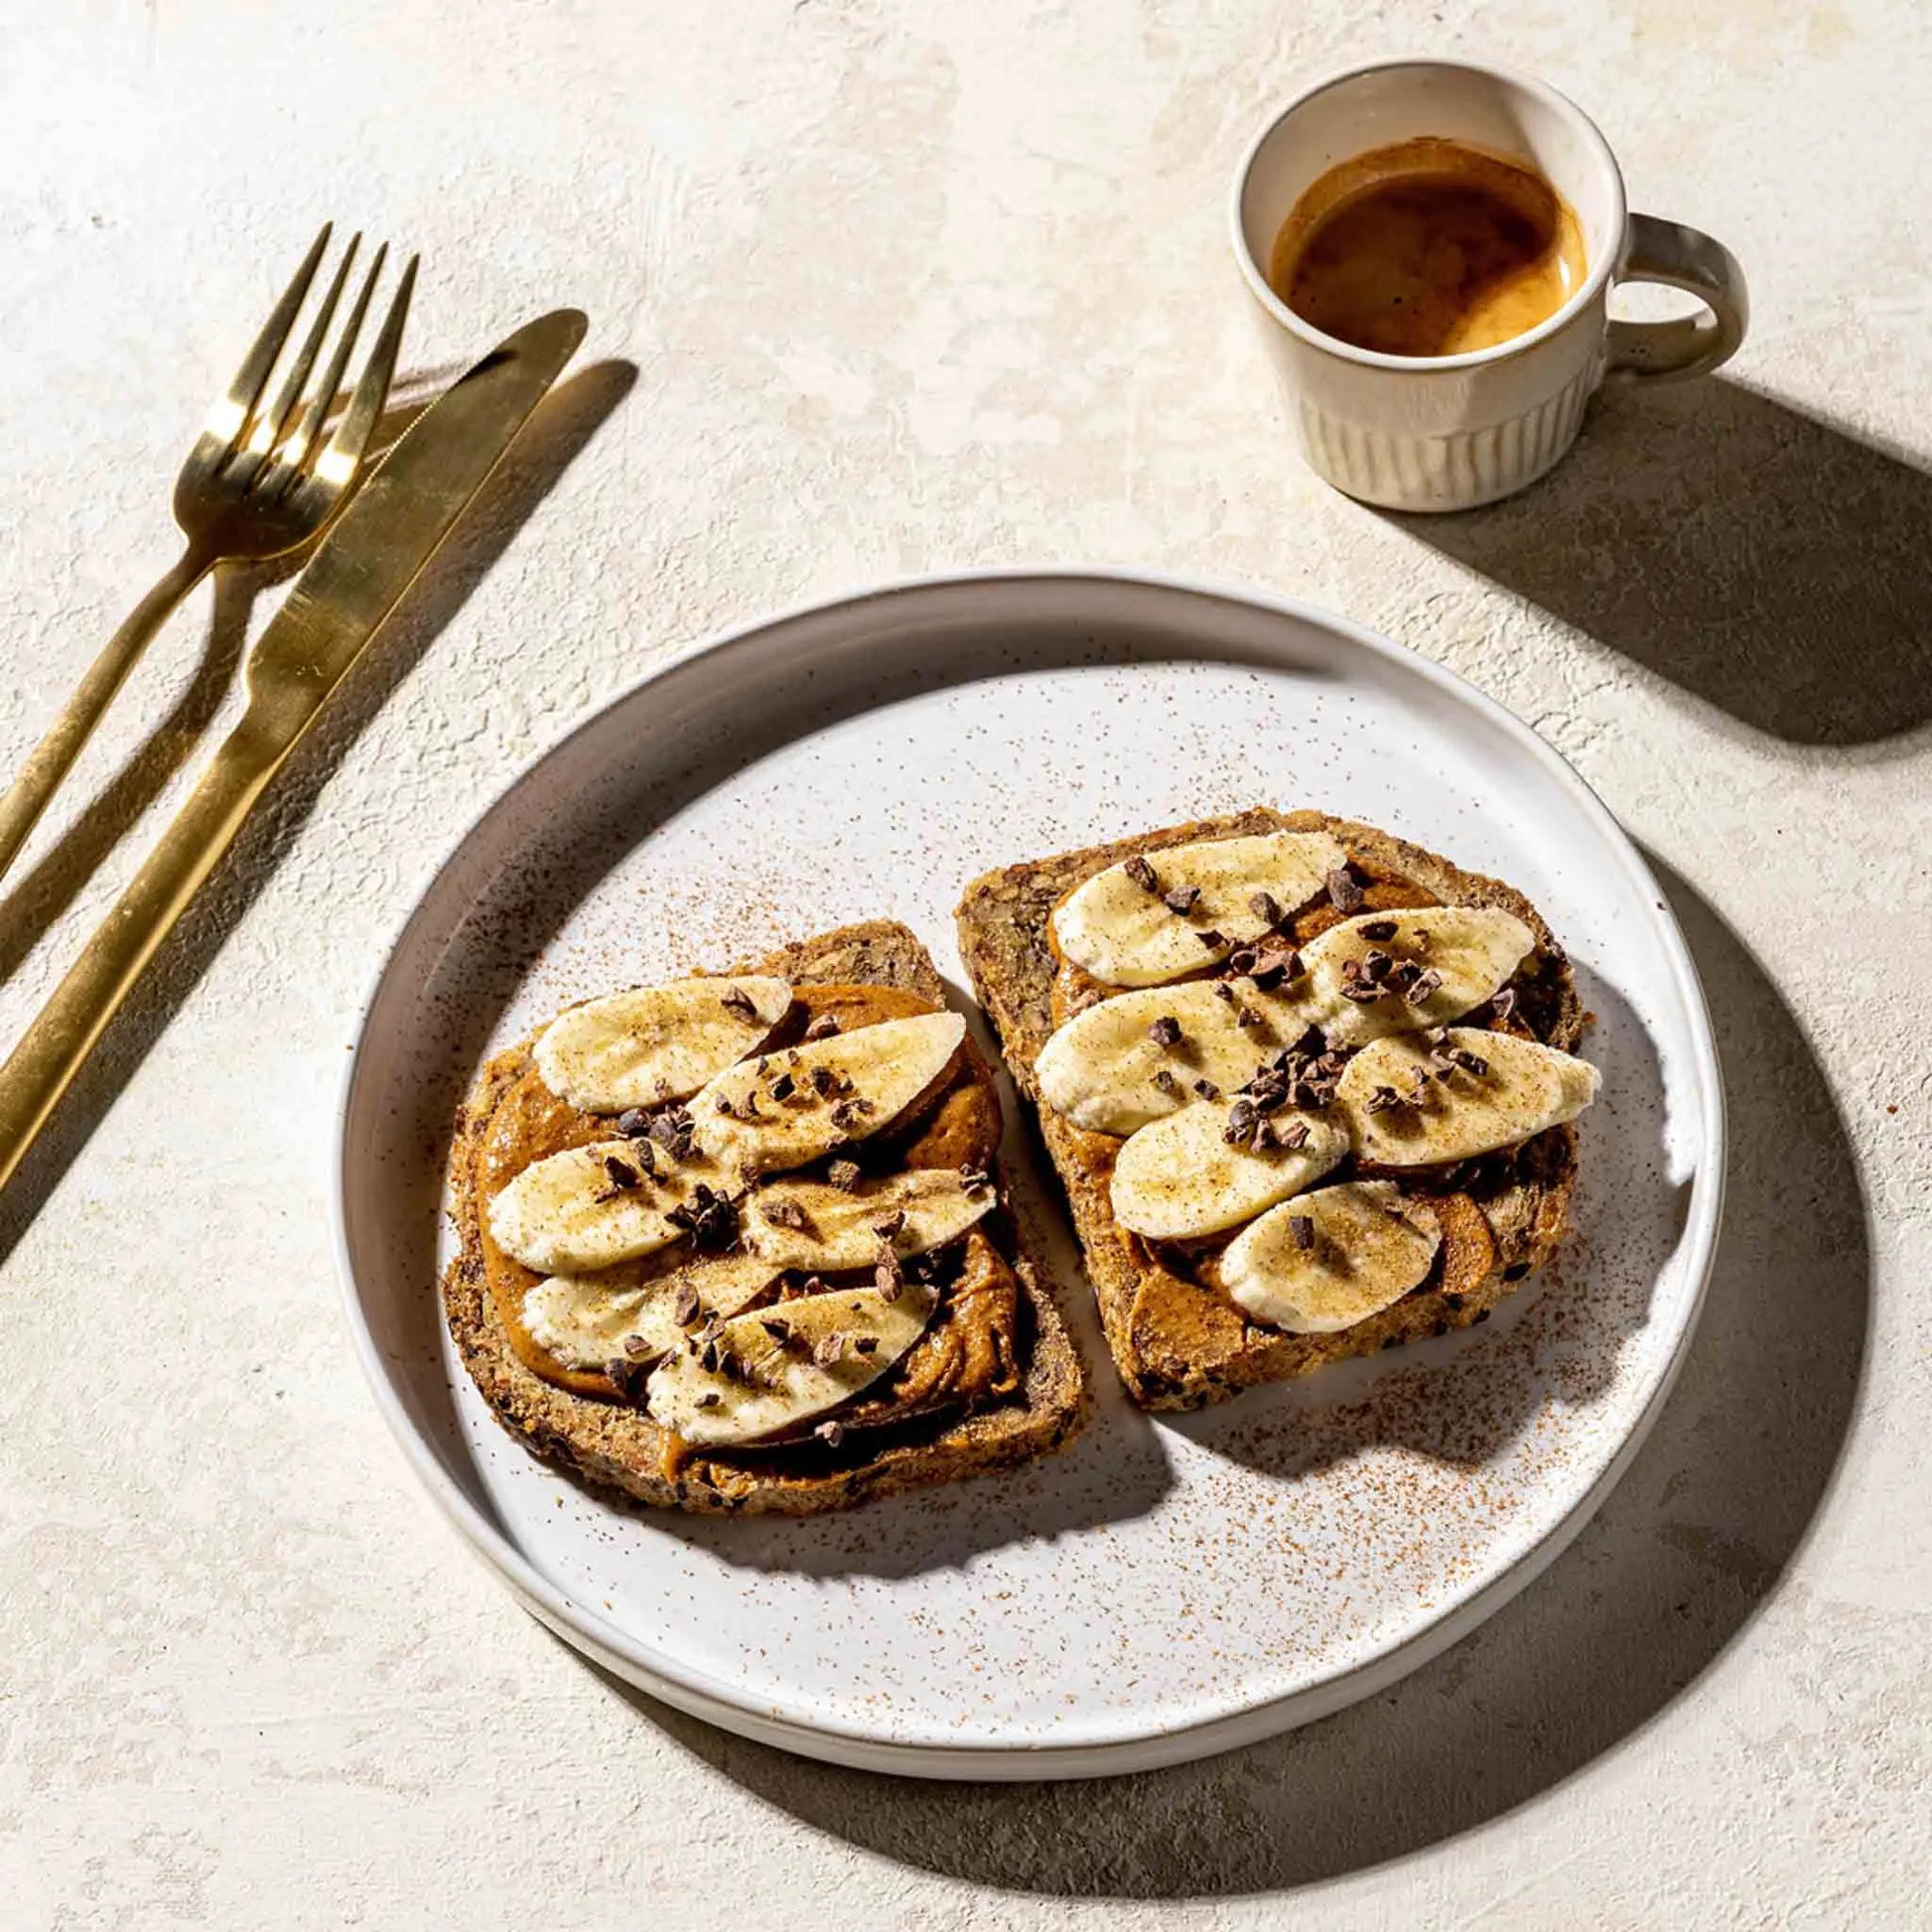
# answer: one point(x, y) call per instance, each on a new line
point(372, 553)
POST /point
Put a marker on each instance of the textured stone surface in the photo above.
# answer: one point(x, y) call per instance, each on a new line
point(907, 287)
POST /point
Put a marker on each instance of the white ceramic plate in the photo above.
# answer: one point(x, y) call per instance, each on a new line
point(1166, 1589)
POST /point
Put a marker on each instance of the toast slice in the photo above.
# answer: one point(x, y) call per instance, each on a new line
point(605, 1442)
point(1177, 1341)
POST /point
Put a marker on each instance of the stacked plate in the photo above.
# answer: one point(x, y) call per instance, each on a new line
point(1165, 1588)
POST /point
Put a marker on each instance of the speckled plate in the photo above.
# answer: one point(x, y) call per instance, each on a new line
point(1168, 1588)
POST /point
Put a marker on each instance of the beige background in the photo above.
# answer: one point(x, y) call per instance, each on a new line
point(877, 290)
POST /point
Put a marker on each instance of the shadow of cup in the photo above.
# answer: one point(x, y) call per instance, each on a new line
point(1766, 562)
point(1652, 1593)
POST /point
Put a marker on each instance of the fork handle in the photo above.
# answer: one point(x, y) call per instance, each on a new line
point(63, 1033)
point(53, 757)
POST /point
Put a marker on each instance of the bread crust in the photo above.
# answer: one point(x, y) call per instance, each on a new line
point(623, 1449)
point(1176, 1345)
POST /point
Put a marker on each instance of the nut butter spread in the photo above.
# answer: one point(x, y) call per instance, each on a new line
point(969, 1353)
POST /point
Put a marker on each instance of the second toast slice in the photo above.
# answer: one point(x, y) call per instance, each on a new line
point(1177, 1336)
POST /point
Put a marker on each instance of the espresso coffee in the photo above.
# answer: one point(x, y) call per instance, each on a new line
point(1428, 248)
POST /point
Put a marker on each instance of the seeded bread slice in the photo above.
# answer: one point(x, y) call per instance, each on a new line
point(621, 1448)
point(1178, 1344)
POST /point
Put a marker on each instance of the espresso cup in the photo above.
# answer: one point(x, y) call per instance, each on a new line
point(1450, 432)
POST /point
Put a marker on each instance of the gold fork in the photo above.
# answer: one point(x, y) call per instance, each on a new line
point(258, 481)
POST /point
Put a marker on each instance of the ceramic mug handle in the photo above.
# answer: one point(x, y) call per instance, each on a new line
point(1685, 258)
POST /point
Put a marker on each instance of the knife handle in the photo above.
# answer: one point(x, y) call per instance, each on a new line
point(63, 1033)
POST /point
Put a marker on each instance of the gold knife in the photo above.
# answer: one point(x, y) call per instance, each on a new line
point(375, 551)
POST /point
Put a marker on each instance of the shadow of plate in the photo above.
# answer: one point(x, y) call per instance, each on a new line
point(1767, 562)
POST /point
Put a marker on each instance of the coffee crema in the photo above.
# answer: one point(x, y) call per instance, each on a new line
point(1427, 247)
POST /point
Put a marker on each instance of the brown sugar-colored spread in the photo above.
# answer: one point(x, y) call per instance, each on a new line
point(1180, 1310)
point(968, 1355)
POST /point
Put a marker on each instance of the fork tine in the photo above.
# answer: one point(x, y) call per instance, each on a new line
point(268, 427)
point(232, 414)
point(299, 452)
point(338, 463)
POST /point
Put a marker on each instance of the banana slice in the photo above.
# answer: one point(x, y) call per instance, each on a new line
point(823, 1229)
point(592, 1207)
point(655, 1044)
point(1108, 1070)
point(1329, 1259)
point(1410, 970)
point(782, 1366)
point(1168, 913)
point(789, 1107)
point(1409, 1103)
point(1181, 1178)
point(585, 1321)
